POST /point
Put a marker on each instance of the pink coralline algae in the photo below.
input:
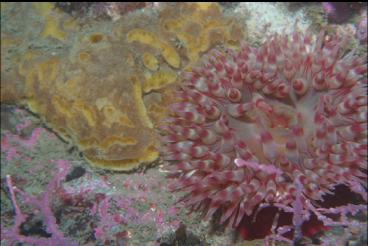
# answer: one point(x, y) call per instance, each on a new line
point(104, 231)
point(43, 205)
point(268, 137)
point(8, 145)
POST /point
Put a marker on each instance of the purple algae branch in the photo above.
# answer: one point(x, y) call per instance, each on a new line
point(42, 204)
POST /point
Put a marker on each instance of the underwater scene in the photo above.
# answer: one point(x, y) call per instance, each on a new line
point(183, 124)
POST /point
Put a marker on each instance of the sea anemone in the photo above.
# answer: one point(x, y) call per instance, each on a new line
point(278, 126)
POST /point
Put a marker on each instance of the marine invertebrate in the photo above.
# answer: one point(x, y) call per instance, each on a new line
point(107, 88)
point(117, 115)
point(196, 27)
point(274, 127)
point(103, 126)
